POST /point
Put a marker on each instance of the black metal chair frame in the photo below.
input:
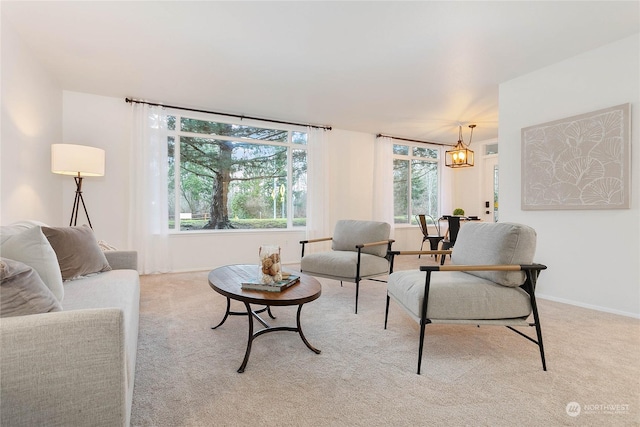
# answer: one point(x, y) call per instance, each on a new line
point(532, 272)
point(452, 231)
point(359, 247)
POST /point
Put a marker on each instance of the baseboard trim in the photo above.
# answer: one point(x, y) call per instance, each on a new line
point(589, 306)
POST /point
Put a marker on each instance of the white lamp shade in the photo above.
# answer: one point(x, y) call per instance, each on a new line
point(79, 160)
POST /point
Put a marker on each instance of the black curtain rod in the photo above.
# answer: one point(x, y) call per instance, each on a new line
point(413, 140)
point(240, 116)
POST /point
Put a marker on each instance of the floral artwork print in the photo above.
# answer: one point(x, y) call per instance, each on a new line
point(581, 162)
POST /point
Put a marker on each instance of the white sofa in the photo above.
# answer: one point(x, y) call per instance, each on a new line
point(74, 367)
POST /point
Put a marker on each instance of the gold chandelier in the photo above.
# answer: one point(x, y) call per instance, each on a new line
point(461, 156)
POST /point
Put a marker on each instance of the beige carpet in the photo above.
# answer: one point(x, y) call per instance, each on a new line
point(365, 376)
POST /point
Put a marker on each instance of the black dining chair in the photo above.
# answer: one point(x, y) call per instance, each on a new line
point(434, 239)
point(452, 234)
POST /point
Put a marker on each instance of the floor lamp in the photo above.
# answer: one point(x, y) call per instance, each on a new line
point(79, 161)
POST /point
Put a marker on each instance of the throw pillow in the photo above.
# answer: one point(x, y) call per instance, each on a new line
point(18, 227)
point(77, 251)
point(32, 248)
point(22, 292)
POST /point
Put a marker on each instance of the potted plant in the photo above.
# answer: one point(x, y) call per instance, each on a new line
point(458, 212)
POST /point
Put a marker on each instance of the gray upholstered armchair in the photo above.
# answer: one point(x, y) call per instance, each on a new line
point(491, 281)
point(359, 251)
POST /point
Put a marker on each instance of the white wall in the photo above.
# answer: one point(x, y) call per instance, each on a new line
point(101, 122)
point(593, 255)
point(351, 175)
point(31, 122)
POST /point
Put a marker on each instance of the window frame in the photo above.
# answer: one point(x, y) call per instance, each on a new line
point(176, 133)
point(409, 158)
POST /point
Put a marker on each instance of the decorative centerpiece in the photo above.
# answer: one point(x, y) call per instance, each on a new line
point(270, 271)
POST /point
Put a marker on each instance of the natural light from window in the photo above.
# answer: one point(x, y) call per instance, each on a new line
point(415, 182)
point(233, 176)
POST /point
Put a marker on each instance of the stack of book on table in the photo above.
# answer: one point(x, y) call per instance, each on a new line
point(272, 287)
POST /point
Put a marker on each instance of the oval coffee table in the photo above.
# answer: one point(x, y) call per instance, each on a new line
point(227, 281)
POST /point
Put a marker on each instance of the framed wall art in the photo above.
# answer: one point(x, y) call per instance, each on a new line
point(581, 162)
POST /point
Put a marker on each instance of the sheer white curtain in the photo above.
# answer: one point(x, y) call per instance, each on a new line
point(148, 220)
point(317, 186)
point(383, 181)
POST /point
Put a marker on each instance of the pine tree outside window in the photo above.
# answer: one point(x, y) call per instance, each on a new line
point(225, 175)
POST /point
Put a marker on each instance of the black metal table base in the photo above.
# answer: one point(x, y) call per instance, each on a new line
point(253, 335)
point(268, 328)
point(228, 313)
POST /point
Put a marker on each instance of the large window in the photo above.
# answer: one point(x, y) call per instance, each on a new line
point(234, 176)
point(415, 182)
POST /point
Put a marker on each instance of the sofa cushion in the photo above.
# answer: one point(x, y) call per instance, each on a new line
point(30, 246)
point(499, 243)
point(349, 233)
point(111, 289)
point(22, 292)
point(77, 251)
point(457, 296)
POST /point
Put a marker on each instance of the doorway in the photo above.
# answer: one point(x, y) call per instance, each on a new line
point(490, 187)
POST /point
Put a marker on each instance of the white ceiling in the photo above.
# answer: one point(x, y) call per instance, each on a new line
point(411, 69)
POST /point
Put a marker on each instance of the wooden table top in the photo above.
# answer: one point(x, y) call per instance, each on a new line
point(227, 280)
